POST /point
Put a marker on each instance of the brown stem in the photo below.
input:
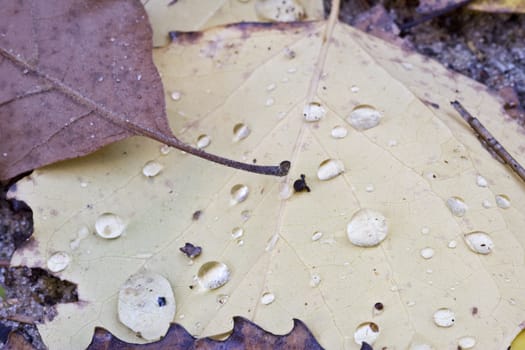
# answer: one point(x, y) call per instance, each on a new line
point(490, 141)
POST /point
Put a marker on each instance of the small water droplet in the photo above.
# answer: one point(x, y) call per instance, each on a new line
point(392, 143)
point(100, 79)
point(369, 188)
point(427, 253)
point(425, 230)
point(452, 244)
point(272, 242)
point(269, 102)
point(486, 204)
point(444, 318)
point(330, 168)
point(139, 77)
point(339, 132)
point(466, 343)
point(354, 89)
point(292, 70)
point(203, 141)
point(366, 332)
point(240, 132)
point(407, 66)
point(317, 235)
point(109, 226)
point(239, 193)
point(213, 275)
point(83, 184)
point(457, 206)
point(152, 168)
point(58, 261)
point(315, 280)
point(420, 346)
point(222, 299)
point(267, 298)
point(313, 112)
point(479, 242)
point(364, 117)
point(502, 201)
point(237, 233)
point(367, 228)
point(481, 181)
point(164, 149)
point(175, 95)
point(271, 87)
point(245, 215)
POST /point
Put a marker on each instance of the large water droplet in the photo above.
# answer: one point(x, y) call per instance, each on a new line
point(152, 168)
point(267, 298)
point(479, 242)
point(213, 275)
point(502, 201)
point(109, 226)
point(237, 233)
point(203, 141)
point(366, 332)
point(239, 193)
point(444, 317)
point(313, 112)
point(427, 253)
point(367, 228)
point(146, 305)
point(481, 181)
point(240, 132)
point(329, 169)
point(339, 132)
point(457, 206)
point(317, 236)
point(58, 261)
point(364, 117)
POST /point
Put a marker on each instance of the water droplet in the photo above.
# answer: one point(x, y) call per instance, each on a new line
point(317, 235)
point(407, 66)
point(240, 242)
point(425, 230)
point(100, 79)
point(457, 206)
point(240, 132)
point(203, 141)
point(420, 346)
point(292, 70)
point(269, 101)
point(285, 191)
point(109, 226)
point(313, 112)
point(364, 117)
point(239, 193)
point(452, 244)
point(146, 305)
point(444, 317)
point(369, 188)
point(479, 242)
point(330, 168)
point(213, 275)
point(271, 87)
point(222, 299)
point(502, 201)
point(392, 143)
point(367, 228)
point(267, 298)
point(152, 168)
point(58, 261)
point(366, 332)
point(237, 233)
point(486, 204)
point(139, 77)
point(315, 280)
point(83, 184)
point(481, 181)
point(354, 89)
point(245, 215)
point(339, 132)
point(466, 343)
point(175, 95)
point(427, 253)
point(165, 149)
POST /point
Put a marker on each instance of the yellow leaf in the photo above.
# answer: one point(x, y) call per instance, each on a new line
point(383, 137)
point(507, 6)
point(189, 15)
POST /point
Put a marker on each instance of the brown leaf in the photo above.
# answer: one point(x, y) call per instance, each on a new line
point(16, 341)
point(245, 335)
point(78, 75)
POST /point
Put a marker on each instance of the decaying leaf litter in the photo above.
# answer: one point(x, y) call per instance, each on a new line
point(370, 188)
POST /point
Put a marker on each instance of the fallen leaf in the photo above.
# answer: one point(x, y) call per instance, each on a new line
point(494, 6)
point(406, 154)
point(190, 15)
point(16, 341)
point(245, 335)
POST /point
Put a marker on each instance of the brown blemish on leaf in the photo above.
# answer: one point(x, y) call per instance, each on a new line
point(245, 335)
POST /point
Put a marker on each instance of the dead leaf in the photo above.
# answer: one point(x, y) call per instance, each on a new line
point(245, 335)
point(16, 341)
point(385, 139)
point(191, 15)
point(504, 6)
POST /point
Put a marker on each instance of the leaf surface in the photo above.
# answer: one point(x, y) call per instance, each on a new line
point(408, 167)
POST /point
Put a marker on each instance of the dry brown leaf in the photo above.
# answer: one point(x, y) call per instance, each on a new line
point(287, 252)
point(504, 6)
point(245, 336)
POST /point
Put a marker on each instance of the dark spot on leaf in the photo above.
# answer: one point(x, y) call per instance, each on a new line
point(300, 184)
point(196, 215)
point(378, 306)
point(191, 251)
point(161, 301)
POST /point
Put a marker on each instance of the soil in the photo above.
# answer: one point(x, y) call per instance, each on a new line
point(484, 46)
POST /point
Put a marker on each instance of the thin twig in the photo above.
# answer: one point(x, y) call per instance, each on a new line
point(488, 140)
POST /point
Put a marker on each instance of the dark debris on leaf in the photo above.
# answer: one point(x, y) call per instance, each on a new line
point(191, 250)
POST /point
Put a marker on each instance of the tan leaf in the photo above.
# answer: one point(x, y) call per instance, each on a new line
point(382, 137)
point(506, 6)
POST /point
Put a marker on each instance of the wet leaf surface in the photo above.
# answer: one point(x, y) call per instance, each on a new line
point(245, 335)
